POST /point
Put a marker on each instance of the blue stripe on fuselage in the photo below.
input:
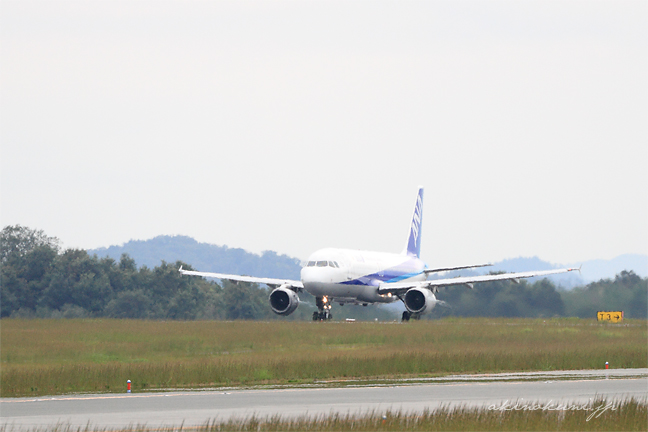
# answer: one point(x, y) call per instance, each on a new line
point(401, 272)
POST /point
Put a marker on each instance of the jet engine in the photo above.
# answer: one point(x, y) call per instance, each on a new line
point(283, 300)
point(419, 300)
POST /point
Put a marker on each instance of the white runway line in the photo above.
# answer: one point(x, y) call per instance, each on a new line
point(196, 407)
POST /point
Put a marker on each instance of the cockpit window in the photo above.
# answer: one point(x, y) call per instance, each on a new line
point(333, 264)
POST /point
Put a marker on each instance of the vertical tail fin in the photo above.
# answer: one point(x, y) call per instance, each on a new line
point(413, 247)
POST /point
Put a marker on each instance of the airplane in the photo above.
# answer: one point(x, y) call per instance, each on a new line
point(347, 276)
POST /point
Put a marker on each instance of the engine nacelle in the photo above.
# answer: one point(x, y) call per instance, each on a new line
point(283, 300)
point(419, 300)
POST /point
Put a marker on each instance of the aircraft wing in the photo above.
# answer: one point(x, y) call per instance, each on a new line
point(237, 278)
point(402, 287)
point(437, 270)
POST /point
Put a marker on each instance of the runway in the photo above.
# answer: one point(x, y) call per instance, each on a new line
point(196, 407)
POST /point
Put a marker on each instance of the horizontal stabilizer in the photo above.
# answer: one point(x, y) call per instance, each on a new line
point(437, 270)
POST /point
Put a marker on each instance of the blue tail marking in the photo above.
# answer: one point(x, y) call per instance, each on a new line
point(414, 240)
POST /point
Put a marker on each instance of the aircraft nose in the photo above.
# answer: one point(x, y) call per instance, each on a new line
point(308, 274)
point(317, 274)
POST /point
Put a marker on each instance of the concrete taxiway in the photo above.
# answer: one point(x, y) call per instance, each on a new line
point(197, 407)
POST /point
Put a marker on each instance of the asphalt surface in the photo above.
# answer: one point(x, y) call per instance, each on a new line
point(197, 407)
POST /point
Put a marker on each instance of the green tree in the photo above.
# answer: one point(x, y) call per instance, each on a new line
point(129, 304)
point(79, 280)
point(627, 292)
point(27, 258)
point(502, 299)
point(244, 301)
point(185, 304)
point(17, 241)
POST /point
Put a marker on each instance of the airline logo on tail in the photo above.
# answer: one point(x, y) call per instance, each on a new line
point(414, 241)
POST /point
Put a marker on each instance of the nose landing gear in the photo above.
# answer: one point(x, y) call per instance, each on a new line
point(324, 309)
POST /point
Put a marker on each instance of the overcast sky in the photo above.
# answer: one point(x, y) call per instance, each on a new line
point(296, 125)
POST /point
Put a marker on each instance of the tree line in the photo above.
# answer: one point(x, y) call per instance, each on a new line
point(627, 292)
point(38, 279)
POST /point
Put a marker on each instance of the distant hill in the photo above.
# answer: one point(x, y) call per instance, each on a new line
point(204, 257)
point(565, 280)
point(595, 270)
point(222, 259)
point(591, 271)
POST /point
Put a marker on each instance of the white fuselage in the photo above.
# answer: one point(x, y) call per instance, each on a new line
point(352, 276)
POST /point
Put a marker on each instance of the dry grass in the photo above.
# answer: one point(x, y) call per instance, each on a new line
point(602, 415)
point(62, 356)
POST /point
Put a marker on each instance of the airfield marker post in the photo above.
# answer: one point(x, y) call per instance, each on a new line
point(128, 386)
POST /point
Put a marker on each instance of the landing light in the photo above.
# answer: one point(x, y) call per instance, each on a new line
point(324, 300)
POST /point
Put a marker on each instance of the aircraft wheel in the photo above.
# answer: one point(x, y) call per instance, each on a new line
point(406, 316)
point(316, 316)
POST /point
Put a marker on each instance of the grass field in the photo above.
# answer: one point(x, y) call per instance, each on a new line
point(42, 357)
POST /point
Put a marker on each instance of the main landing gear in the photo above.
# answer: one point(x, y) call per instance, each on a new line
point(407, 315)
point(324, 309)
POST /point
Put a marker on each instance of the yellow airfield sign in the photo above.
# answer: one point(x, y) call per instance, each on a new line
point(610, 316)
